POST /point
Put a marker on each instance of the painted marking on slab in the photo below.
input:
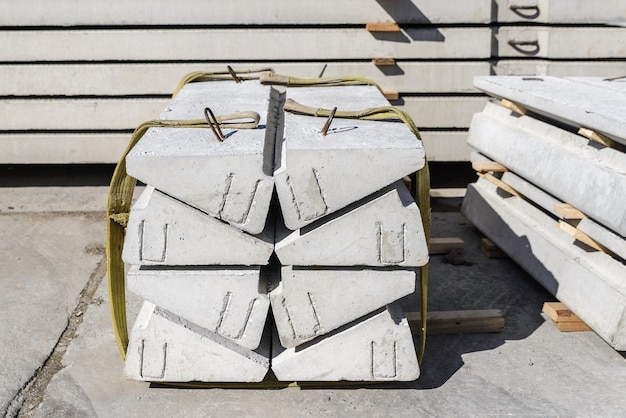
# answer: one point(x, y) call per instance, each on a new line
point(153, 242)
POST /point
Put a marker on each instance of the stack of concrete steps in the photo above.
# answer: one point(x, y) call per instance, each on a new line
point(197, 238)
point(349, 242)
point(555, 200)
point(347, 235)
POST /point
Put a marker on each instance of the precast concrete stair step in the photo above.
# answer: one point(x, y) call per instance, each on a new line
point(384, 229)
point(225, 179)
point(317, 175)
point(164, 347)
point(377, 348)
point(310, 302)
point(164, 231)
point(229, 301)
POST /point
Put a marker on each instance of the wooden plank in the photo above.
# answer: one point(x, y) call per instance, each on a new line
point(490, 249)
point(445, 245)
point(382, 27)
point(383, 62)
point(160, 78)
point(70, 148)
point(502, 185)
point(564, 319)
point(458, 322)
point(448, 193)
point(239, 12)
point(568, 211)
point(513, 107)
point(486, 166)
point(242, 44)
point(580, 236)
point(391, 95)
point(558, 312)
point(600, 139)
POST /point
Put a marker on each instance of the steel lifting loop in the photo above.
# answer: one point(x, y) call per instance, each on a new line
point(240, 120)
point(329, 121)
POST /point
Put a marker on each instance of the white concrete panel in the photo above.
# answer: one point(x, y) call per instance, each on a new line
point(318, 175)
point(161, 78)
point(384, 229)
point(611, 83)
point(442, 111)
point(231, 302)
point(225, 179)
point(238, 12)
point(164, 231)
point(561, 42)
point(166, 348)
point(576, 104)
point(243, 44)
point(379, 348)
point(596, 68)
point(78, 114)
point(446, 145)
point(590, 283)
point(561, 11)
point(312, 302)
point(557, 161)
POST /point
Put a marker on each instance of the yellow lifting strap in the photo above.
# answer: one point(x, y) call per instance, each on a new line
point(122, 187)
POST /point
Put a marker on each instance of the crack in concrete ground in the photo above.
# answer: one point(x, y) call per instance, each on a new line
point(25, 403)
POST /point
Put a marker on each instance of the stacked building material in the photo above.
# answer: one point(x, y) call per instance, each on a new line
point(197, 238)
point(353, 237)
point(557, 205)
point(349, 238)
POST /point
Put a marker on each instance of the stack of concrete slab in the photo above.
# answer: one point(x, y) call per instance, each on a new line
point(348, 238)
point(351, 240)
point(197, 238)
point(554, 201)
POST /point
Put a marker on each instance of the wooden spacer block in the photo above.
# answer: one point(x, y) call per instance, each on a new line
point(513, 107)
point(458, 322)
point(382, 27)
point(448, 192)
point(564, 319)
point(485, 166)
point(381, 62)
point(490, 249)
point(445, 245)
point(597, 137)
point(581, 236)
point(567, 211)
point(502, 185)
point(391, 95)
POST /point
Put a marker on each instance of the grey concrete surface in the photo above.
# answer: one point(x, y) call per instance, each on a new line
point(529, 369)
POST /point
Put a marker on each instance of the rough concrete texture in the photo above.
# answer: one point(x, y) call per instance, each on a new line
point(566, 100)
point(225, 179)
point(554, 160)
point(310, 165)
point(230, 302)
point(312, 302)
point(384, 229)
point(529, 369)
point(611, 83)
point(377, 348)
point(165, 347)
point(589, 282)
point(165, 231)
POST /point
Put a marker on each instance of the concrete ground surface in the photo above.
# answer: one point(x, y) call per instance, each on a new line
point(59, 357)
